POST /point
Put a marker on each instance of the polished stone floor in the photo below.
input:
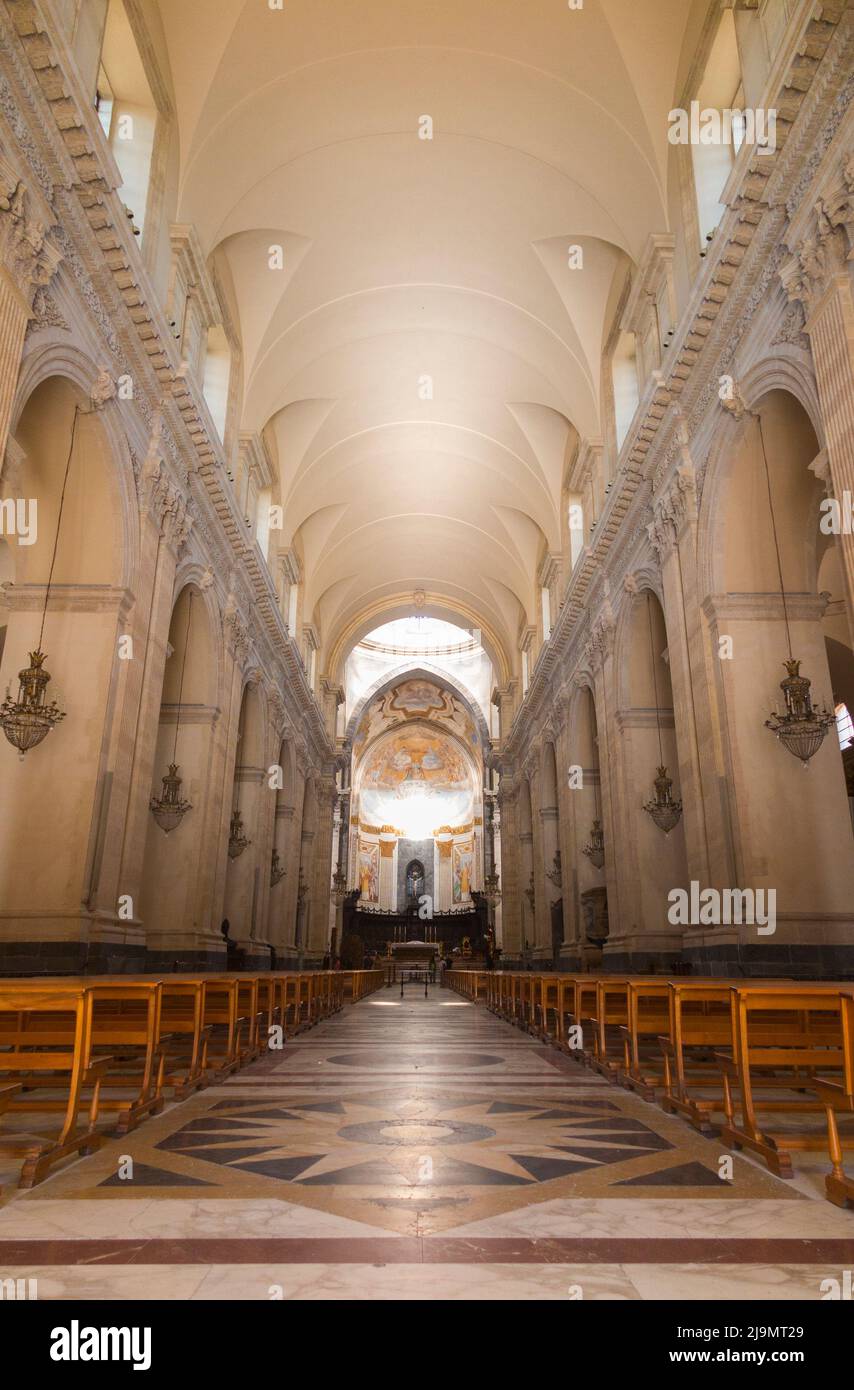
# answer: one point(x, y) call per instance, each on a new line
point(421, 1149)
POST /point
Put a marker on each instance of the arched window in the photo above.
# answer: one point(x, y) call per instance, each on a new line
point(624, 372)
point(844, 726)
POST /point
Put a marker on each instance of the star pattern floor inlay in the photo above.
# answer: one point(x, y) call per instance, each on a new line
point(417, 1133)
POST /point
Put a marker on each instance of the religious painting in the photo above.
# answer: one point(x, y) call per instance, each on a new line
point(369, 871)
point(416, 699)
point(463, 863)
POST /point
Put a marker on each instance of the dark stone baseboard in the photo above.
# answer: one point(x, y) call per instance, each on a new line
point(25, 958)
point(795, 961)
point(18, 958)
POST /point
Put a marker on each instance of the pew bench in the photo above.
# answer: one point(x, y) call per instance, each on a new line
point(30, 1020)
point(809, 1055)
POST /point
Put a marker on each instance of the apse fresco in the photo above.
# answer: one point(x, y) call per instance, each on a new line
point(416, 699)
point(463, 861)
point(423, 755)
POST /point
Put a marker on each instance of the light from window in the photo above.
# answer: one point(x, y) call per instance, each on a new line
point(844, 726)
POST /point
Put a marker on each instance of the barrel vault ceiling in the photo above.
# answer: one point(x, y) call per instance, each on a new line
point(426, 359)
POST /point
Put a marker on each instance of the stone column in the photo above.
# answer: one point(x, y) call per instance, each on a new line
point(511, 906)
point(321, 878)
point(445, 874)
point(387, 886)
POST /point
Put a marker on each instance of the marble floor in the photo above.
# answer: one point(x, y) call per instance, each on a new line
point(421, 1149)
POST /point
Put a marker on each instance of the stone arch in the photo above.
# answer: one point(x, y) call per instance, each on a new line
point(423, 671)
point(807, 858)
point(62, 361)
point(185, 735)
point(86, 615)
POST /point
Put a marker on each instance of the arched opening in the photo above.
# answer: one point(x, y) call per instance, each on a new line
point(553, 879)
point(624, 373)
point(64, 782)
point(526, 844)
point(652, 853)
point(174, 853)
point(771, 562)
point(247, 874)
point(308, 831)
point(588, 862)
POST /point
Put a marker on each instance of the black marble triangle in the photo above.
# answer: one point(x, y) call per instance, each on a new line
point(326, 1107)
point(629, 1140)
point(285, 1168)
point(543, 1169)
point(214, 1125)
point(375, 1174)
point(601, 1155)
point(267, 1115)
point(608, 1122)
point(683, 1175)
point(575, 1115)
point(223, 1156)
point(454, 1172)
point(191, 1143)
point(145, 1176)
point(507, 1107)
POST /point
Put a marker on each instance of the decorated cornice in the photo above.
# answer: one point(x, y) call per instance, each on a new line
point(739, 273)
point(60, 137)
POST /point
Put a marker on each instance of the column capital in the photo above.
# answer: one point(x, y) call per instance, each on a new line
point(826, 249)
point(29, 255)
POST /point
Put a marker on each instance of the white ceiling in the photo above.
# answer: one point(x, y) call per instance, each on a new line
point(406, 258)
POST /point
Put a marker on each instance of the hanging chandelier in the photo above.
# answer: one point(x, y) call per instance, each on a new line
point(28, 720)
point(302, 888)
point(170, 808)
point(237, 841)
point(339, 885)
point(530, 892)
point(277, 870)
point(665, 810)
point(800, 728)
point(595, 850)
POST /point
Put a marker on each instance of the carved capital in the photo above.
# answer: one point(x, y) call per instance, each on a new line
point(600, 642)
point(30, 256)
point(826, 249)
point(236, 631)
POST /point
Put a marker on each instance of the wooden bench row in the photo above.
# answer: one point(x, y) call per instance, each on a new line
point(716, 1051)
point(80, 1046)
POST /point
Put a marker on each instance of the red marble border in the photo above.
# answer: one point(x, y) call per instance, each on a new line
point(20, 1254)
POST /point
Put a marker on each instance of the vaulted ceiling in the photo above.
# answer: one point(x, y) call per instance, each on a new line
point(408, 259)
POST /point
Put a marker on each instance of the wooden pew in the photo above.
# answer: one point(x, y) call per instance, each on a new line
point(31, 1019)
point(698, 1025)
point(809, 1053)
point(126, 1022)
point(647, 1017)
